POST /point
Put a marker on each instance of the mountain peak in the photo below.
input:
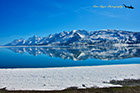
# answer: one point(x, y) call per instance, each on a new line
point(74, 31)
point(106, 30)
point(34, 35)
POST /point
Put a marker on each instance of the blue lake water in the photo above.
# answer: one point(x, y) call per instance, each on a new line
point(46, 57)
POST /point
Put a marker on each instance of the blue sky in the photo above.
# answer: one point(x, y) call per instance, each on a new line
point(25, 18)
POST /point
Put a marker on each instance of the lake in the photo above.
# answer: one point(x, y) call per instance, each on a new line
point(48, 57)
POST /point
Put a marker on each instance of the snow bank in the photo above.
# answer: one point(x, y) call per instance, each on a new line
point(61, 78)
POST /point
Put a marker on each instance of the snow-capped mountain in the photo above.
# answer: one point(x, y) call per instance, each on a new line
point(82, 37)
point(17, 42)
point(33, 40)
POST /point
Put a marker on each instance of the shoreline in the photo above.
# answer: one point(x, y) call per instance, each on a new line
point(126, 89)
point(98, 66)
point(116, 45)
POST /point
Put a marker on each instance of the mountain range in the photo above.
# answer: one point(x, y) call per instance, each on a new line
point(81, 37)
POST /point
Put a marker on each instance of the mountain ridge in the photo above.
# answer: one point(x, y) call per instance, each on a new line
point(81, 37)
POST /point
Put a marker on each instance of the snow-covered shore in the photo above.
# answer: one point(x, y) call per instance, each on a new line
point(61, 78)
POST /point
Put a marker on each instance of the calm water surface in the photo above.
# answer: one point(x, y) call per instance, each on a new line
point(46, 57)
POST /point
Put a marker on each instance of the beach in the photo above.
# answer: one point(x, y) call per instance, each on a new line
point(62, 78)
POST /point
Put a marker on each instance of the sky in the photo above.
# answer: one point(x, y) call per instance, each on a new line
point(25, 18)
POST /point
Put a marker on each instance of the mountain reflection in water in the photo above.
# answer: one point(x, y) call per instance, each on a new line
point(82, 53)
